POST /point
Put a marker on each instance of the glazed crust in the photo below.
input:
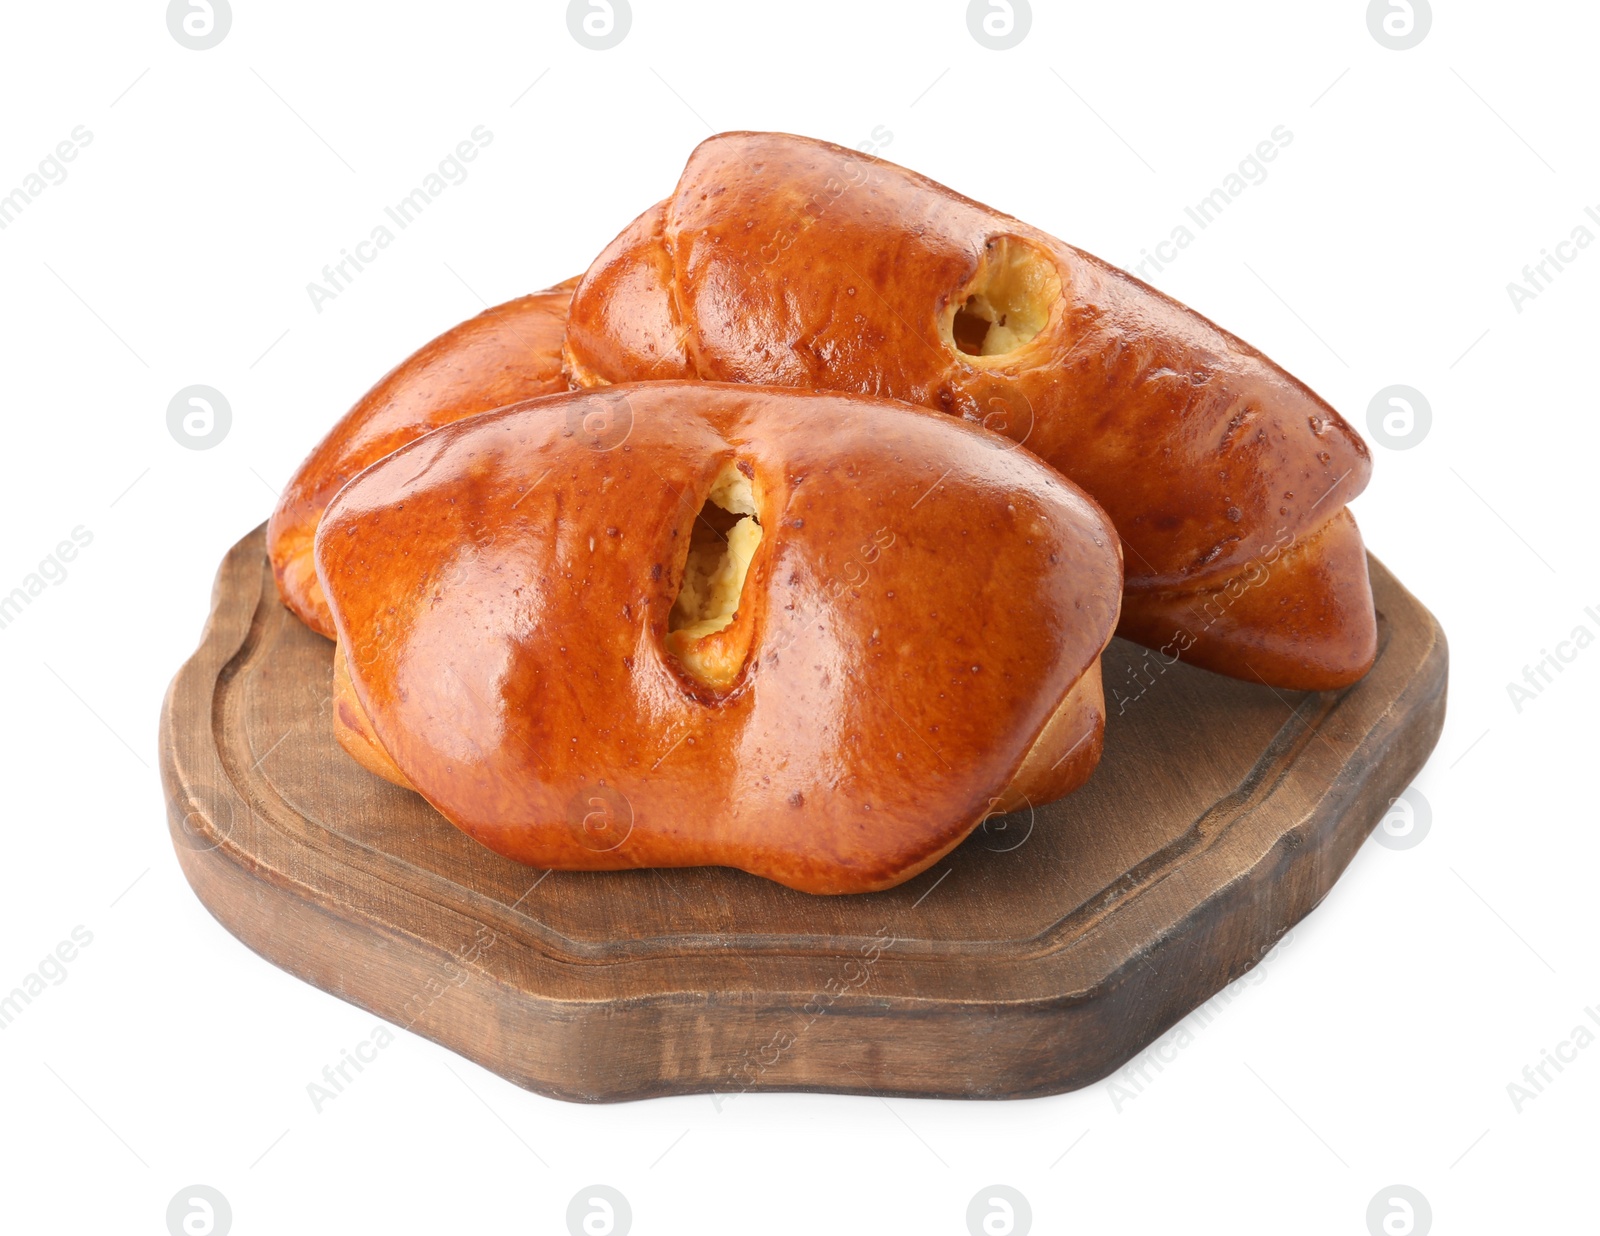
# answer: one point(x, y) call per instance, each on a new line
point(504, 355)
point(1270, 622)
point(1060, 760)
point(788, 261)
point(925, 613)
point(354, 731)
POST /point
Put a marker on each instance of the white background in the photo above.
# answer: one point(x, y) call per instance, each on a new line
point(1373, 1049)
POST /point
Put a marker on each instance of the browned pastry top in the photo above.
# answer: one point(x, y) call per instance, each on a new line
point(923, 599)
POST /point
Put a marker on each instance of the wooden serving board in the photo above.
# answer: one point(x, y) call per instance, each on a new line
point(1039, 956)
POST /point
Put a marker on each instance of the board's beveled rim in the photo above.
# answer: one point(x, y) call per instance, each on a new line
point(1063, 976)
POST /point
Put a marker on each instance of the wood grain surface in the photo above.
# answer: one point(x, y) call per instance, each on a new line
point(1043, 953)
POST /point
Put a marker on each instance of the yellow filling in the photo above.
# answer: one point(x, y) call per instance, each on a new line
point(1008, 301)
point(721, 546)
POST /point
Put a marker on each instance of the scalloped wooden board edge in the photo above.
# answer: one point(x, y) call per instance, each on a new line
point(778, 1012)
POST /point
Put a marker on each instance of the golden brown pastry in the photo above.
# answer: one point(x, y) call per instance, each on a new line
point(816, 637)
point(504, 355)
point(793, 262)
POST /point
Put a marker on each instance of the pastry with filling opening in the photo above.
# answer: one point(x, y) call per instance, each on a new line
point(817, 637)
